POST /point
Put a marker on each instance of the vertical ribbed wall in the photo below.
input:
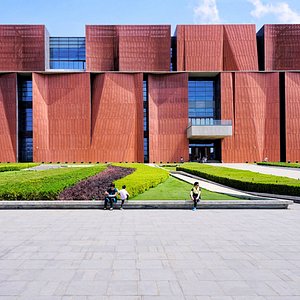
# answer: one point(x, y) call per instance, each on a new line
point(61, 122)
point(240, 49)
point(101, 48)
point(128, 48)
point(8, 106)
point(227, 113)
point(144, 48)
point(256, 122)
point(199, 47)
point(281, 46)
point(168, 117)
point(22, 47)
point(292, 113)
point(117, 118)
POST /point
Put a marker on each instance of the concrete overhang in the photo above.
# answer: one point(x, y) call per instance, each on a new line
point(209, 132)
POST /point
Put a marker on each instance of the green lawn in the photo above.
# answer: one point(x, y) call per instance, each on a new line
point(279, 164)
point(174, 189)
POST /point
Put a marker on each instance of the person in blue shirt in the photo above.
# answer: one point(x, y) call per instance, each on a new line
point(110, 196)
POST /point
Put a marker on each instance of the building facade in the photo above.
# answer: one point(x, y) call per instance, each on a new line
point(137, 94)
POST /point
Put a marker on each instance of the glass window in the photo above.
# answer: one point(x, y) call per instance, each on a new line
point(201, 98)
point(67, 53)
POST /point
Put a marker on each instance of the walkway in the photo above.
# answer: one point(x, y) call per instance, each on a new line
point(278, 171)
point(150, 255)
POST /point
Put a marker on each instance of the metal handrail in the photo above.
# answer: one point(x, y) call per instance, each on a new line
point(208, 122)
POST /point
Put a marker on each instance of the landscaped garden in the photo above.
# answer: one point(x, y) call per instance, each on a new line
point(90, 182)
point(244, 180)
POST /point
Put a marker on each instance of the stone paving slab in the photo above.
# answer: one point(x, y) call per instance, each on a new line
point(149, 204)
point(150, 254)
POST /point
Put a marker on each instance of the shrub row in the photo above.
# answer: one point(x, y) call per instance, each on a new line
point(244, 180)
point(16, 166)
point(142, 179)
point(42, 185)
point(279, 164)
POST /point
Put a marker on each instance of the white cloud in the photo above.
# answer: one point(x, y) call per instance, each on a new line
point(281, 11)
point(206, 12)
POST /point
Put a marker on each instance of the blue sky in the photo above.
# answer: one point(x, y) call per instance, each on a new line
point(68, 17)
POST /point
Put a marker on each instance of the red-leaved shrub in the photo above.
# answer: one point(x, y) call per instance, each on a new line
point(95, 186)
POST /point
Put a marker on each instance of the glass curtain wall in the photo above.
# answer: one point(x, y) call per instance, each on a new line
point(25, 118)
point(67, 53)
point(204, 108)
point(146, 123)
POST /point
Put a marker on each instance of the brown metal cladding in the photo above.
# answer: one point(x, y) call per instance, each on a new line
point(168, 117)
point(117, 118)
point(144, 47)
point(101, 48)
point(8, 103)
point(128, 48)
point(282, 47)
point(240, 49)
point(61, 123)
point(199, 47)
point(227, 113)
point(256, 117)
point(22, 47)
point(292, 113)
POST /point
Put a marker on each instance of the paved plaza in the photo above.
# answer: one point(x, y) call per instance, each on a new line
point(150, 254)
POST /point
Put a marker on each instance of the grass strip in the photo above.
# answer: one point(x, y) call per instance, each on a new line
point(6, 167)
point(42, 185)
point(279, 164)
point(244, 180)
point(175, 189)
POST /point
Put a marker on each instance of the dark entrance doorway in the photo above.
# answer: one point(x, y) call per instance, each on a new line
point(205, 150)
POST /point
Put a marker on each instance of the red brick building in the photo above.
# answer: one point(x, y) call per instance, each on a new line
point(135, 93)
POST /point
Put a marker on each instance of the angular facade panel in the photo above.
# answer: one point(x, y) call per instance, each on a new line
point(292, 113)
point(8, 119)
point(22, 47)
point(117, 118)
point(101, 48)
point(281, 44)
point(144, 48)
point(199, 47)
point(168, 117)
point(128, 48)
point(256, 117)
point(61, 123)
point(240, 49)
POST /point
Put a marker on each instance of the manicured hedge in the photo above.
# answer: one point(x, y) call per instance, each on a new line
point(16, 166)
point(244, 180)
point(279, 164)
point(142, 179)
point(42, 185)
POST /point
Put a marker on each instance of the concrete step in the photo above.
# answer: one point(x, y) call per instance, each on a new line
point(149, 204)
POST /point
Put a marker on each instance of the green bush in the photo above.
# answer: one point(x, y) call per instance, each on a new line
point(244, 180)
point(142, 179)
point(42, 185)
point(16, 166)
point(279, 164)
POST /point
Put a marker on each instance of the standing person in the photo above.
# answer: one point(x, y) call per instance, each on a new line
point(195, 194)
point(110, 196)
point(124, 195)
point(181, 160)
